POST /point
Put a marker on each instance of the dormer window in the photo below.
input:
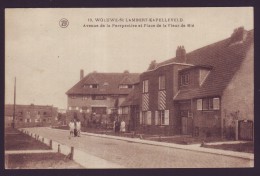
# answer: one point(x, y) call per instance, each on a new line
point(92, 86)
point(125, 86)
point(185, 79)
point(73, 96)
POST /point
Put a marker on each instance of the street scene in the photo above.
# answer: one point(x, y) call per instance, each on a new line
point(129, 88)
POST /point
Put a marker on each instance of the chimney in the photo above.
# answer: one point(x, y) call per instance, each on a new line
point(81, 74)
point(152, 65)
point(238, 36)
point(181, 54)
point(126, 72)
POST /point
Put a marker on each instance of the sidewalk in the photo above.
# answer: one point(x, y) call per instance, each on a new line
point(192, 147)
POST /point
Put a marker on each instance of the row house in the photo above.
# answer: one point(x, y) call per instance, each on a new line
point(97, 96)
point(207, 92)
point(30, 115)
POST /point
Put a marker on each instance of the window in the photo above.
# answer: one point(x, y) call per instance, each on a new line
point(161, 82)
point(125, 110)
point(199, 104)
point(205, 104)
point(161, 118)
point(93, 86)
point(145, 86)
point(27, 120)
point(98, 97)
point(216, 103)
point(125, 86)
point(208, 104)
point(84, 97)
point(73, 97)
point(185, 79)
point(144, 117)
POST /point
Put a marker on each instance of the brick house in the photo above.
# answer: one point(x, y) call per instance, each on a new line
point(30, 115)
point(97, 96)
point(202, 92)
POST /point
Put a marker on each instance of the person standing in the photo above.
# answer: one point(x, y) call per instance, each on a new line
point(71, 126)
point(114, 126)
point(122, 126)
point(78, 127)
point(117, 126)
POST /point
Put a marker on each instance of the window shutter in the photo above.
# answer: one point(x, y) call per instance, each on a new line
point(140, 118)
point(156, 117)
point(166, 117)
point(149, 118)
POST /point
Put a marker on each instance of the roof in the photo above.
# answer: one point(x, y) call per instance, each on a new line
point(225, 60)
point(107, 83)
point(133, 98)
point(9, 108)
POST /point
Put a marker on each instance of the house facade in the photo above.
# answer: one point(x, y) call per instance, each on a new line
point(97, 96)
point(30, 115)
point(207, 92)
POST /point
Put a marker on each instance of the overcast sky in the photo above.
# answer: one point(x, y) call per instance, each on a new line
point(46, 59)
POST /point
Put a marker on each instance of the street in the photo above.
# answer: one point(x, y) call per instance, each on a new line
point(137, 155)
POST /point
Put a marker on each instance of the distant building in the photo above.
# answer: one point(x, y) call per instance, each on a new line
point(30, 115)
point(207, 92)
point(98, 95)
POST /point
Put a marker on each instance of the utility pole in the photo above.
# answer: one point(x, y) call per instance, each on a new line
point(14, 100)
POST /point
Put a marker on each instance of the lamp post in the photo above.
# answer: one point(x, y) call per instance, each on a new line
point(14, 102)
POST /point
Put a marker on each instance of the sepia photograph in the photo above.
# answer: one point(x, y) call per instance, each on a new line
point(118, 88)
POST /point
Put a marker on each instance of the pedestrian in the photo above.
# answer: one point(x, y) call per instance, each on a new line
point(117, 126)
point(114, 126)
point(122, 126)
point(75, 129)
point(71, 127)
point(78, 127)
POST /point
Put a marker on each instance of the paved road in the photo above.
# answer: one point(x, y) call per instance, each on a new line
point(136, 155)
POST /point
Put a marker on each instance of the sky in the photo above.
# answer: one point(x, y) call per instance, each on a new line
point(46, 59)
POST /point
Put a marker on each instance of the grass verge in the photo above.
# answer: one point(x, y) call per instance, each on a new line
point(247, 147)
point(39, 161)
point(16, 140)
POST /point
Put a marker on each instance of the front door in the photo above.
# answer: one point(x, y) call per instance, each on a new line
point(184, 125)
